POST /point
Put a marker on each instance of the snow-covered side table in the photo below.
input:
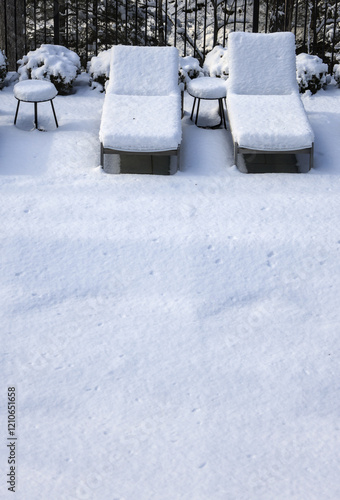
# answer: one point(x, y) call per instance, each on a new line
point(35, 91)
point(208, 88)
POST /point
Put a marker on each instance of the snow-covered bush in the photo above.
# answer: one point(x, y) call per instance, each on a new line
point(189, 68)
point(311, 73)
point(99, 69)
point(216, 62)
point(51, 62)
point(3, 68)
point(337, 73)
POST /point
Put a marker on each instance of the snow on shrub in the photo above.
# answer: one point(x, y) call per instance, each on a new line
point(99, 69)
point(189, 68)
point(216, 62)
point(3, 68)
point(51, 62)
point(337, 73)
point(311, 73)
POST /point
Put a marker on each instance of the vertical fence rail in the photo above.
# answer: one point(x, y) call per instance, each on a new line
point(194, 26)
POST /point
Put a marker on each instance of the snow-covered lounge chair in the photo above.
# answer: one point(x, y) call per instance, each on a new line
point(265, 111)
point(142, 106)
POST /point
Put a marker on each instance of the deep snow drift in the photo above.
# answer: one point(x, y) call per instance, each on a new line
point(171, 337)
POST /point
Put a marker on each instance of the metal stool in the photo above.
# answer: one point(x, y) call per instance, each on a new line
point(35, 91)
point(208, 88)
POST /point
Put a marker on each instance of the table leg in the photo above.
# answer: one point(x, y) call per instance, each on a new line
point(36, 114)
point(193, 108)
point(198, 108)
point(16, 114)
point(55, 116)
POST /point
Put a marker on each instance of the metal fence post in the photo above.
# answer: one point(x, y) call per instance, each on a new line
point(56, 22)
point(256, 11)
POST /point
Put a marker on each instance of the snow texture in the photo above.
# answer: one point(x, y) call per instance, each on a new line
point(99, 70)
point(309, 67)
point(190, 65)
point(216, 62)
point(252, 73)
point(50, 60)
point(169, 337)
point(337, 73)
point(267, 117)
point(100, 65)
point(189, 68)
point(207, 88)
point(269, 123)
point(149, 71)
point(142, 108)
point(34, 90)
point(141, 123)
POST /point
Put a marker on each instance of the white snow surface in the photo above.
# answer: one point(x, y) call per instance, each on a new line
point(310, 65)
point(207, 88)
point(216, 62)
point(34, 90)
point(100, 64)
point(269, 123)
point(50, 60)
point(144, 70)
point(169, 337)
point(141, 123)
point(142, 108)
point(270, 68)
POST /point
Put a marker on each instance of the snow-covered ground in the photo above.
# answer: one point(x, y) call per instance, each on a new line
point(169, 337)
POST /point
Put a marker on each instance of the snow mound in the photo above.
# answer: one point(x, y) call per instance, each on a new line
point(99, 69)
point(189, 68)
point(51, 62)
point(216, 62)
point(311, 72)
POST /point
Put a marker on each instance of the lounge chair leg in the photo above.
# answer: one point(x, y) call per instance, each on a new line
point(178, 156)
point(101, 155)
point(235, 152)
point(311, 157)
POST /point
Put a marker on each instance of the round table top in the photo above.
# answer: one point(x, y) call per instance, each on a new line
point(207, 87)
point(34, 90)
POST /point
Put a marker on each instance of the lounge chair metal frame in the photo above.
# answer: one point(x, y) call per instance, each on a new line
point(108, 151)
point(241, 150)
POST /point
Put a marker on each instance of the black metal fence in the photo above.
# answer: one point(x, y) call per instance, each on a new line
point(194, 26)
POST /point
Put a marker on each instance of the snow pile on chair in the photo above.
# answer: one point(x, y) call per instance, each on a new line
point(142, 106)
point(264, 107)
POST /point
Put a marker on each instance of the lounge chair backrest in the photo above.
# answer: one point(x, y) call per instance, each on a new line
point(154, 70)
point(262, 64)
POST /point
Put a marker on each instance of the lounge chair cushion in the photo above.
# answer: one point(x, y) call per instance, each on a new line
point(262, 63)
point(143, 70)
point(141, 123)
point(269, 122)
